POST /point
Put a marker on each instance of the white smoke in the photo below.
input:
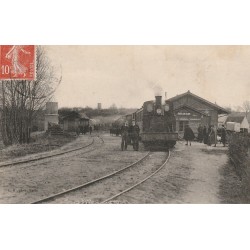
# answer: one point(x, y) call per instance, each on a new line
point(155, 88)
point(158, 90)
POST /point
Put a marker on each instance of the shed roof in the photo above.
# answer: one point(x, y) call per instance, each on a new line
point(83, 116)
point(238, 118)
point(75, 115)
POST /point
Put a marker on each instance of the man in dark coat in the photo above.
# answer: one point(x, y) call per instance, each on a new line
point(223, 135)
point(200, 133)
point(208, 135)
point(135, 136)
point(205, 134)
point(124, 134)
point(188, 135)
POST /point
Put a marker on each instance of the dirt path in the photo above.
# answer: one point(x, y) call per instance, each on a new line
point(205, 176)
point(191, 176)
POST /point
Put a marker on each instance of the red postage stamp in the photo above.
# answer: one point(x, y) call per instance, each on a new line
point(17, 62)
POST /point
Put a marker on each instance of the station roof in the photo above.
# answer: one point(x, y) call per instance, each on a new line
point(191, 108)
point(188, 93)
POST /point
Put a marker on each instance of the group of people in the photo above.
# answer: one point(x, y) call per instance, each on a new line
point(84, 129)
point(206, 135)
point(130, 135)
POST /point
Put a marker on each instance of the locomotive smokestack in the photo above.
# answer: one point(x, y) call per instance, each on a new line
point(158, 99)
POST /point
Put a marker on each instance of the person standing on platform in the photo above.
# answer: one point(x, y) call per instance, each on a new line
point(209, 135)
point(188, 135)
point(205, 134)
point(200, 133)
point(213, 136)
point(223, 135)
point(124, 134)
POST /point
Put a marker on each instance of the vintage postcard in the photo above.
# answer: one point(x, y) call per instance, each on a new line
point(124, 124)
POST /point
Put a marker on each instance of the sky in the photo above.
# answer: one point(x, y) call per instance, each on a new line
point(129, 75)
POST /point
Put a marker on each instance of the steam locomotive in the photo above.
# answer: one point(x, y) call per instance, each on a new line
point(157, 123)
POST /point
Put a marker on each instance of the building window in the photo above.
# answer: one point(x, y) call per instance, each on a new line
point(182, 125)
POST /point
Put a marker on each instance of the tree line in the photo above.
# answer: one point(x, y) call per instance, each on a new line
point(91, 112)
point(245, 108)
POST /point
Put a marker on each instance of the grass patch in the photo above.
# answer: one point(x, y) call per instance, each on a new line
point(40, 143)
point(235, 182)
point(214, 151)
point(231, 187)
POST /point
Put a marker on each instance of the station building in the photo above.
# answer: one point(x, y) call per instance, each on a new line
point(74, 121)
point(190, 109)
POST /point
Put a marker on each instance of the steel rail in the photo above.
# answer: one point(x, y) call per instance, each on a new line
point(48, 156)
point(90, 182)
point(137, 184)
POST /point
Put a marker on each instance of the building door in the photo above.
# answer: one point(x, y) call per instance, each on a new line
point(182, 125)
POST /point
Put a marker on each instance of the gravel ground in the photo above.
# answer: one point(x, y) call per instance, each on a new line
point(107, 188)
point(30, 182)
point(192, 175)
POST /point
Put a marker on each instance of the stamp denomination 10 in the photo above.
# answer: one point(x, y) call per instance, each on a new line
point(17, 62)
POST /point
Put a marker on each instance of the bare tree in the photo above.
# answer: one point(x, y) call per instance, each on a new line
point(246, 107)
point(21, 100)
point(237, 108)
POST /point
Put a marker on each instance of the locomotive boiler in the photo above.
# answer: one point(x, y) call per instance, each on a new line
point(157, 123)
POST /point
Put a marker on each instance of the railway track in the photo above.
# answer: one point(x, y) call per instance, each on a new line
point(106, 177)
point(51, 156)
point(52, 197)
point(138, 183)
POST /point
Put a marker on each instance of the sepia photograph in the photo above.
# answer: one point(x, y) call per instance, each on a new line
point(124, 124)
